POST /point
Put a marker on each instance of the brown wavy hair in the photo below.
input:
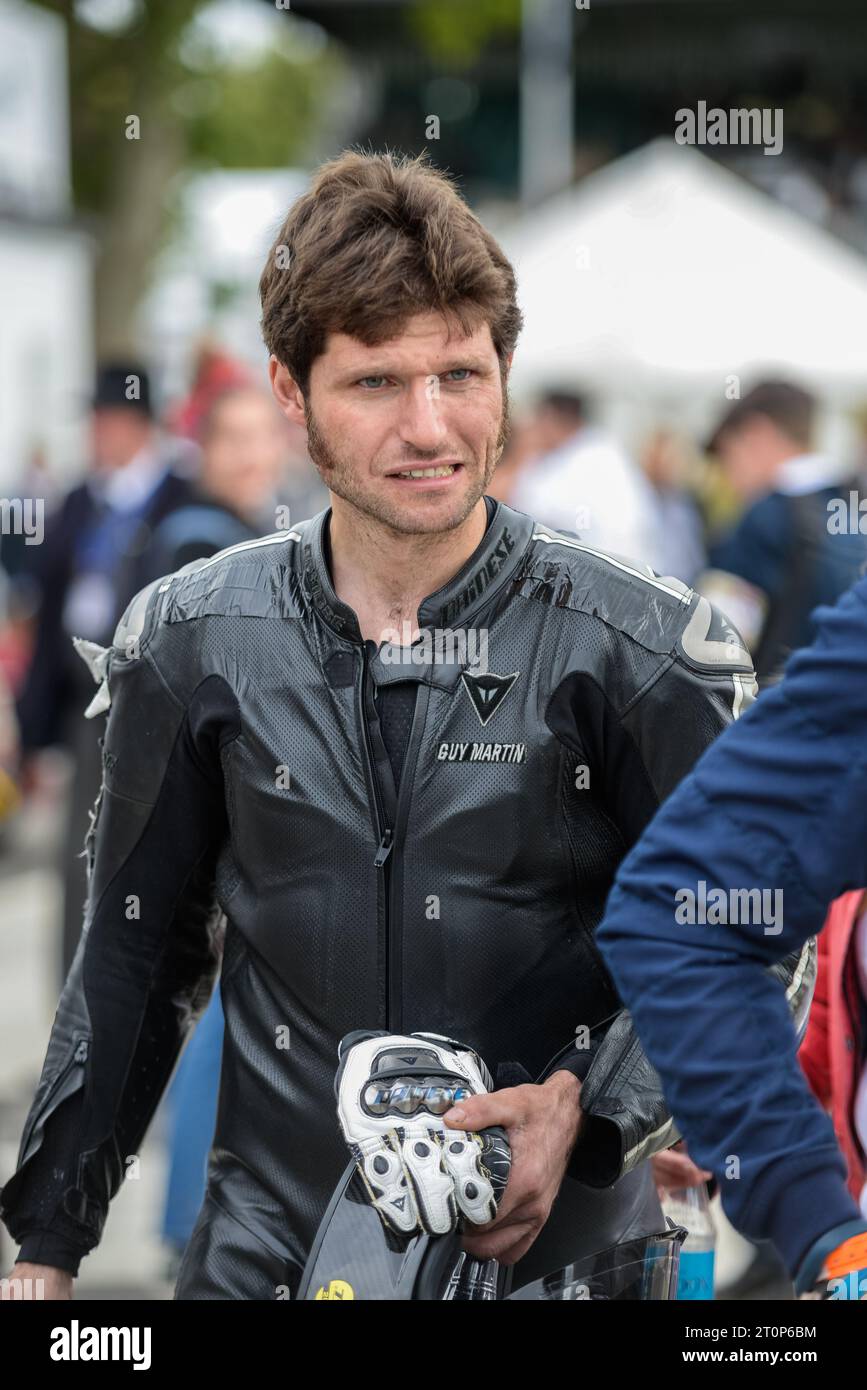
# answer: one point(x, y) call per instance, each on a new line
point(374, 240)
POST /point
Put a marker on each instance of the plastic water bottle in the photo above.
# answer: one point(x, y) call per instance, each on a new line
point(689, 1207)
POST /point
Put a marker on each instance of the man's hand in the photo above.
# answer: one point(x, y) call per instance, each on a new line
point(673, 1168)
point(542, 1124)
point(21, 1283)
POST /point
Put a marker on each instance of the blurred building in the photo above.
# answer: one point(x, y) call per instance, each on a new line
point(45, 258)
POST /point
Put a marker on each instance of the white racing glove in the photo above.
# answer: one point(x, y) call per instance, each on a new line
point(392, 1090)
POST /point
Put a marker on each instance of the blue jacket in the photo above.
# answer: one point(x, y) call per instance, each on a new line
point(778, 802)
point(762, 549)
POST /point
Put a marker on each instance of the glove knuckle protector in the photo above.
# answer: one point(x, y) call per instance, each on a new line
point(392, 1091)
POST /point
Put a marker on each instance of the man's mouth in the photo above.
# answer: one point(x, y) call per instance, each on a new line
point(443, 471)
point(427, 471)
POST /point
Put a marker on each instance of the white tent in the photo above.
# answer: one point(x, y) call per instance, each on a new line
point(664, 274)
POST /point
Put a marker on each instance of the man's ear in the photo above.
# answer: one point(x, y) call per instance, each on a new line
point(287, 392)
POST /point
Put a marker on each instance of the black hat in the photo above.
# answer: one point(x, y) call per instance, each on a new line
point(122, 385)
point(789, 406)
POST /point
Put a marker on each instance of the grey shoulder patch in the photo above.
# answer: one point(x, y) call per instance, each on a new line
point(132, 624)
point(710, 641)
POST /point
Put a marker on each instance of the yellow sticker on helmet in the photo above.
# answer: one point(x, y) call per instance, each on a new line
point(336, 1288)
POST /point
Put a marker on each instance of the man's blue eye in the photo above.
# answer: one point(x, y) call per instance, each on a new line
point(372, 382)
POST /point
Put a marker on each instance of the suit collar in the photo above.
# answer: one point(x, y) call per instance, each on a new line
point(457, 602)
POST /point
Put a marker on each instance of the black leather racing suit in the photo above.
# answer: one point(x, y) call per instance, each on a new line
point(249, 767)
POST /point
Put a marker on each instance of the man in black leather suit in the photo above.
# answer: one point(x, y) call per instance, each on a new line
point(403, 844)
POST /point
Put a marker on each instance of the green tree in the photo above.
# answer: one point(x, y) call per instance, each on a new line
point(456, 31)
point(156, 99)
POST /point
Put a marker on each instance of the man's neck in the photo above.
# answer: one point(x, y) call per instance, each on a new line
point(384, 576)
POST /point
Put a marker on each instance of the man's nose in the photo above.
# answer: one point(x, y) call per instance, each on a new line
point(421, 423)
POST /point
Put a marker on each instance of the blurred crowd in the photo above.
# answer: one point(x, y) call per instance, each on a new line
point(744, 516)
point(768, 526)
point(750, 517)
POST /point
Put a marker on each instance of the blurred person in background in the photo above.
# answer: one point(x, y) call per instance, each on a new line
point(520, 446)
point(214, 372)
point(93, 560)
point(242, 471)
point(17, 605)
point(301, 490)
point(9, 736)
point(665, 464)
point(217, 374)
point(834, 1051)
point(859, 419)
point(783, 558)
point(241, 475)
point(582, 482)
point(17, 553)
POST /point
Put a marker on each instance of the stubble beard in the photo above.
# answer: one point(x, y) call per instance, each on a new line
point(339, 477)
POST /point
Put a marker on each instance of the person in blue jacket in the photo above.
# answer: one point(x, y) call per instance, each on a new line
point(737, 869)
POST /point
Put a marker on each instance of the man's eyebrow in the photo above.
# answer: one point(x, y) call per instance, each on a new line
point(477, 364)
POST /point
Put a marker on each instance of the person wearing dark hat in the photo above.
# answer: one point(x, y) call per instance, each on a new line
point(784, 557)
point(94, 558)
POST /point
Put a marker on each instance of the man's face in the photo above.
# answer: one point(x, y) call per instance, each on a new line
point(751, 453)
point(243, 452)
point(417, 402)
point(117, 434)
point(554, 427)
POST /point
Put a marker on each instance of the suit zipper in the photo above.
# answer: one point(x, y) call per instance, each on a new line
point(384, 832)
point(404, 793)
point(77, 1058)
point(386, 845)
point(389, 840)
